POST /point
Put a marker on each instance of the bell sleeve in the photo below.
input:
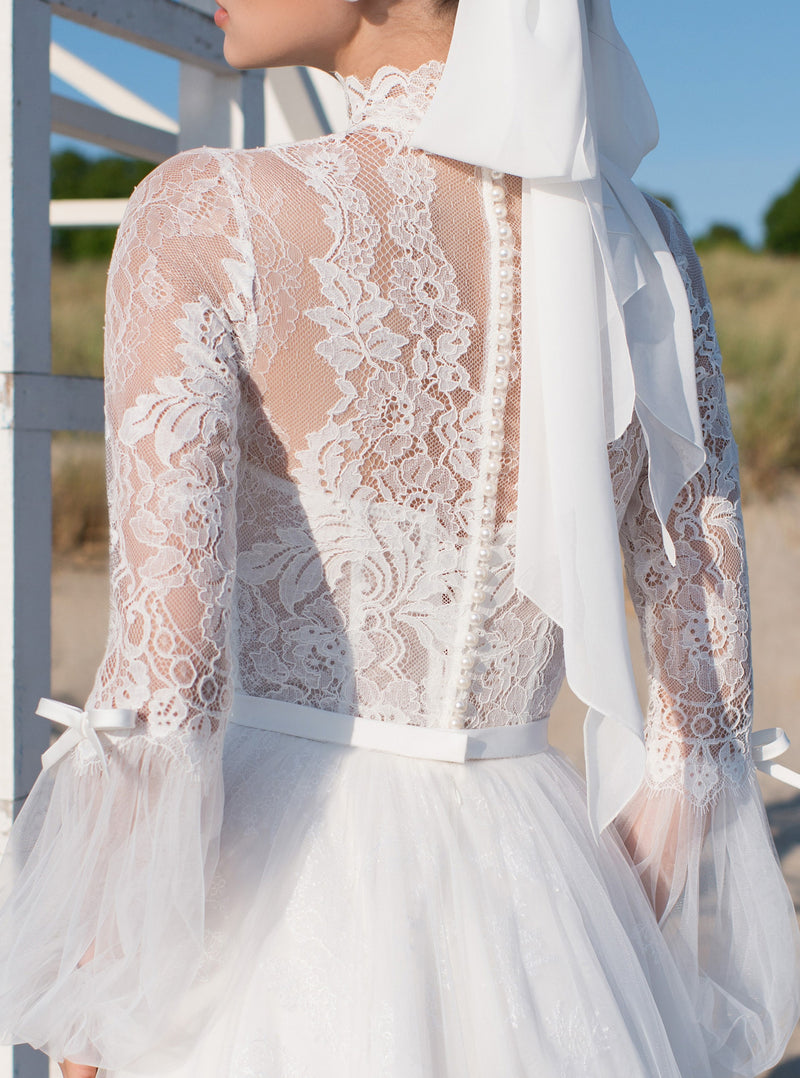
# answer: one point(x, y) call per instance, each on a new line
point(697, 829)
point(105, 873)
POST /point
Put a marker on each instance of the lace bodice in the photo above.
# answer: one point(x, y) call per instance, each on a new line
point(301, 366)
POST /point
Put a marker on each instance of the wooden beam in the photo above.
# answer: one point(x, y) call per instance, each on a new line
point(86, 212)
point(116, 133)
point(254, 108)
point(48, 402)
point(299, 102)
point(104, 91)
point(210, 109)
point(25, 526)
point(161, 25)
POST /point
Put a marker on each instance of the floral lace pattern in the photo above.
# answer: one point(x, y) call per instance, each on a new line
point(297, 357)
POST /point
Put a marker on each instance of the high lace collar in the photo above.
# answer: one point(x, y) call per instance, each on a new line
point(392, 97)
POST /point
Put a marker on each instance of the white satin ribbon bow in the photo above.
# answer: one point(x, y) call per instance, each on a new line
point(766, 745)
point(82, 725)
point(547, 90)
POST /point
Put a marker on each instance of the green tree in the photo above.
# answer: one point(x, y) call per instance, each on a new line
point(782, 222)
point(74, 176)
point(722, 235)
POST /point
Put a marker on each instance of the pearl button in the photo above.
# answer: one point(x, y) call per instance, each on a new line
point(504, 338)
point(486, 533)
point(475, 617)
point(505, 253)
point(462, 683)
point(496, 175)
point(501, 380)
point(505, 295)
point(504, 273)
point(481, 573)
point(502, 359)
point(461, 704)
point(498, 193)
point(504, 231)
point(493, 467)
point(500, 210)
point(456, 723)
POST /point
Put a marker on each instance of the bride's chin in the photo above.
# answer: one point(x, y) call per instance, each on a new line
point(238, 57)
point(244, 57)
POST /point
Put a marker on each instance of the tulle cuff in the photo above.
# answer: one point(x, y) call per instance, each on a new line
point(714, 879)
point(103, 893)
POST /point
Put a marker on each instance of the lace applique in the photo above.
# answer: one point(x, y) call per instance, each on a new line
point(392, 98)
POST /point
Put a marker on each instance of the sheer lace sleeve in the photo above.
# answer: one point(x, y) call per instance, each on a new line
point(105, 875)
point(697, 830)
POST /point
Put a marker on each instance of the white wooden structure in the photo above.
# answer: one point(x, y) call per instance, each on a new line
point(217, 107)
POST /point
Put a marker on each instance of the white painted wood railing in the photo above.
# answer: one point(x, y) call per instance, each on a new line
point(217, 106)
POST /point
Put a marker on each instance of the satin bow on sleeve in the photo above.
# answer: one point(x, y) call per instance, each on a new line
point(546, 90)
point(81, 727)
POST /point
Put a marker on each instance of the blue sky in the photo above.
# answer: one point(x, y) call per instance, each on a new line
point(723, 75)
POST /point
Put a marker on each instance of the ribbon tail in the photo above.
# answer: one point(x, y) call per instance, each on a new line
point(94, 741)
point(68, 740)
point(779, 772)
point(768, 744)
point(567, 558)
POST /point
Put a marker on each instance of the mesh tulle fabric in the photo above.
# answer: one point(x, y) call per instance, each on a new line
point(103, 927)
point(296, 382)
point(360, 945)
point(726, 916)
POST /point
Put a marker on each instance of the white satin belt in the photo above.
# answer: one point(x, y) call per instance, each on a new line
point(765, 746)
point(82, 726)
point(425, 742)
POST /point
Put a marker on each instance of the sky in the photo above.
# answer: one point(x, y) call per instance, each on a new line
point(723, 74)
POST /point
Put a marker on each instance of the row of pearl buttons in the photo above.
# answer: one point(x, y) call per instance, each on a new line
point(499, 380)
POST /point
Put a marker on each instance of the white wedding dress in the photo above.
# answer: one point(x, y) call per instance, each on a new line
point(312, 460)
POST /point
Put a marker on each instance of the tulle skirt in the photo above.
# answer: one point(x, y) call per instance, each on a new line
point(379, 916)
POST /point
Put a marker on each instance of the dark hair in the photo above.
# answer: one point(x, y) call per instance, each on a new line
point(447, 5)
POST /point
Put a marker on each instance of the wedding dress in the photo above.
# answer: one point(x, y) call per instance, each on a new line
point(312, 460)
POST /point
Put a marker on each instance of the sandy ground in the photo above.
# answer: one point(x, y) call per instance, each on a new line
point(773, 549)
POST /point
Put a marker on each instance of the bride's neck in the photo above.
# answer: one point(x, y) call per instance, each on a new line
point(402, 40)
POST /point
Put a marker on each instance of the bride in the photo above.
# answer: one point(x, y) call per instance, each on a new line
point(382, 409)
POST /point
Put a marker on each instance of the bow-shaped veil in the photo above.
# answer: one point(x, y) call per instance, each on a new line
point(547, 90)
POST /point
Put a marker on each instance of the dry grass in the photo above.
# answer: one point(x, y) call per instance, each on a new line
point(77, 293)
point(757, 306)
point(80, 517)
point(756, 300)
